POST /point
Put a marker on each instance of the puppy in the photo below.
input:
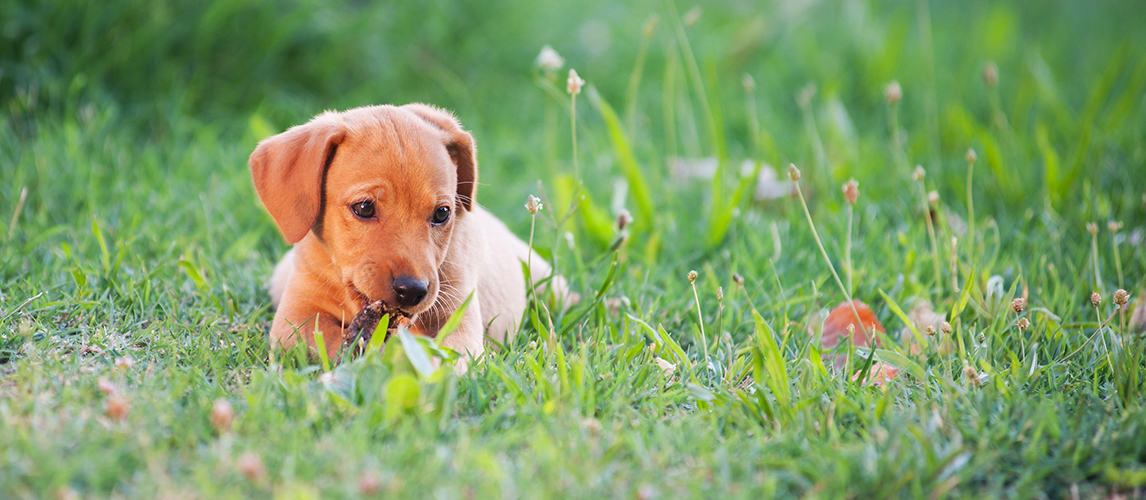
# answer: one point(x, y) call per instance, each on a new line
point(379, 203)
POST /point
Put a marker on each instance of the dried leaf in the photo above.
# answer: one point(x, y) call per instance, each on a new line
point(881, 373)
point(836, 325)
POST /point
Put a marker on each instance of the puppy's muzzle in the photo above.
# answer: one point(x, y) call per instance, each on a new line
point(409, 292)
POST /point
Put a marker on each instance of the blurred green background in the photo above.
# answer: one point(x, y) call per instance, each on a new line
point(1070, 84)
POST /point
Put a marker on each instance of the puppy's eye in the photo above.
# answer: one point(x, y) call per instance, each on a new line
point(363, 209)
point(441, 215)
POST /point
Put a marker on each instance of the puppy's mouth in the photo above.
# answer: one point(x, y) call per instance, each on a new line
point(363, 301)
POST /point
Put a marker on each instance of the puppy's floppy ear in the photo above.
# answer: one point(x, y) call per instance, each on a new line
point(460, 145)
point(288, 171)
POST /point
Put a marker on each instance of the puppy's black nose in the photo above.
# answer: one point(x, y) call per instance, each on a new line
point(409, 291)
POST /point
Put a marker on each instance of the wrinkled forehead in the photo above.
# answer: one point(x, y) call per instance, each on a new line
point(394, 146)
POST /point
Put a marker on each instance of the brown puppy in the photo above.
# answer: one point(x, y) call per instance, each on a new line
point(379, 202)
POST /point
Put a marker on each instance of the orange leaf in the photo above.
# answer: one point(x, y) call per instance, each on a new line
point(836, 325)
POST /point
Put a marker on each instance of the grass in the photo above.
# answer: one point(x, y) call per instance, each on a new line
point(140, 238)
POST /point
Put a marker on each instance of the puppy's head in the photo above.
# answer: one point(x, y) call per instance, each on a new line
point(380, 187)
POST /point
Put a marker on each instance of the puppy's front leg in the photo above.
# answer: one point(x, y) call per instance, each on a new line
point(296, 319)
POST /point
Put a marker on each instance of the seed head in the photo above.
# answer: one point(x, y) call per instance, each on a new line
point(549, 60)
point(25, 329)
point(692, 276)
point(1092, 228)
point(116, 407)
point(719, 293)
point(222, 415)
point(945, 327)
point(692, 16)
point(574, 83)
point(1018, 305)
point(1095, 299)
point(793, 172)
point(893, 92)
point(624, 219)
point(748, 82)
point(930, 330)
point(933, 198)
point(251, 466)
point(1024, 323)
point(972, 376)
point(919, 173)
point(971, 156)
point(124, 363)
point(1114, 226)
point(851, 329)
point(1121, 297)
point(737, 278)
point(533, 205)
point(851, 191)
point(990, 74)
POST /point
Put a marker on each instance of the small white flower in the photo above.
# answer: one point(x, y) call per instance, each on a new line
point(574, 84)
point(893, 92)
point(533, 204)
point(549, 60)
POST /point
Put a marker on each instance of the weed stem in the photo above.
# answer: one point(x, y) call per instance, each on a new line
point(573, 127)
point(970, 209)
point(1117, 258)
point(820, 244)
point(699, 319)
point(848, 250)
point(931, 234)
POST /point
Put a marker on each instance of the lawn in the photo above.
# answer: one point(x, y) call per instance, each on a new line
point(999, 150)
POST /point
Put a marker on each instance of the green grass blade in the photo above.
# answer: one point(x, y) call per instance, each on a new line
point(720, 218)
point(105, 256)
point(455, 319)
point(194, 274)
point(320, 344)
point(907, 321)
point(964, 295)
point(773, 361)
point(378, 339)
point(900, 361)
point(417, 354)
point(630, 168)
